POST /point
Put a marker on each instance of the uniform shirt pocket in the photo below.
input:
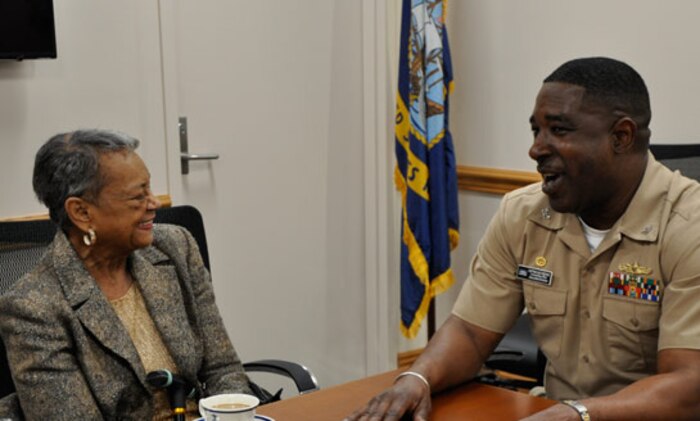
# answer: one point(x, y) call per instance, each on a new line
point(632, 328)
point(547, 308)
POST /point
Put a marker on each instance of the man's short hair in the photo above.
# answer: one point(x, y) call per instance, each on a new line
point(609, 82)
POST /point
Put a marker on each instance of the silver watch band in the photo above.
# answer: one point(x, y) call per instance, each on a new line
point(580, 408)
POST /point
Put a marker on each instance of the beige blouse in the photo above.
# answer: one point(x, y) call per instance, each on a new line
point(134, 315)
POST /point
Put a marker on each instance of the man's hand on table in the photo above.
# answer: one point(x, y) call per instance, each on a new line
point(454, 354)
point(408, 395)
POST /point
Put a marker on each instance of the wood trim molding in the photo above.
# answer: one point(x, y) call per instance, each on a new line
point(478, 179)
point(406, 359)
point(493, 180)
point(165, 201)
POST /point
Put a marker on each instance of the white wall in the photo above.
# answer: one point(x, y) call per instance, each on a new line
point(503, 49)
point(107, 75)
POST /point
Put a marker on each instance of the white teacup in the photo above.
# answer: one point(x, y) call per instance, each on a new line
point(229, 407)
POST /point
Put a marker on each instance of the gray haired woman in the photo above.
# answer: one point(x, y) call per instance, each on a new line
point(115, 296)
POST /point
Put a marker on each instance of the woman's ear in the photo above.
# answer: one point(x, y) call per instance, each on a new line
point(78, 211)
point(624, 133)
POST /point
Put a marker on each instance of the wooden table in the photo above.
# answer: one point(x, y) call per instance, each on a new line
point(471, 401)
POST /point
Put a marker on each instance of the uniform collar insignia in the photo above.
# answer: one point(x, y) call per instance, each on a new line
point(545, 213)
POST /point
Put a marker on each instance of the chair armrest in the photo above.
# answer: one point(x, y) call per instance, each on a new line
point(518, 352)
point(302, 377)
point(9, 407)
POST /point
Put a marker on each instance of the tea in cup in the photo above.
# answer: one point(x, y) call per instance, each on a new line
point(229, 407)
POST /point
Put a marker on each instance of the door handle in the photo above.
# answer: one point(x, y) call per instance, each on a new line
point(185, 155)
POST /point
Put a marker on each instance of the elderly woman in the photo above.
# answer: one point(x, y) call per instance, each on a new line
point(115, 296)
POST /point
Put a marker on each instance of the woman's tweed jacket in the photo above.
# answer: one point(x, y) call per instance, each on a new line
point(71, 357)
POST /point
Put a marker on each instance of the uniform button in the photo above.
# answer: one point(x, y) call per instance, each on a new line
point(585, 359)
point(586, 314)
point(634, 322)
point(533, 306)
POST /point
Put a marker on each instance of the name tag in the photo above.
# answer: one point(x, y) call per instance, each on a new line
point(540, 276)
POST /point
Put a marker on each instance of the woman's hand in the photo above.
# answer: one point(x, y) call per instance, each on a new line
point(408, 395)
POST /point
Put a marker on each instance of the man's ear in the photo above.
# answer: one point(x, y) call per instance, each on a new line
point(78, 211)
point(624, 135)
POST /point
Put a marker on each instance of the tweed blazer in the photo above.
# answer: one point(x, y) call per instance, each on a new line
point(71, 357)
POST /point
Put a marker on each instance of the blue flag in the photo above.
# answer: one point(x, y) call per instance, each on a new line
point(425, 172)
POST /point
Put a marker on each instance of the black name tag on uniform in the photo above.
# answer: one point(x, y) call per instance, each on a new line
point(540, 276)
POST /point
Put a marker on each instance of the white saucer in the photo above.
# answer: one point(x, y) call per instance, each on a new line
point(257, 417)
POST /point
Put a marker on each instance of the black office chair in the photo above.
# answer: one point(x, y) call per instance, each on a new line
point(682, 157)
point(23, 243)
point(519, 354)
point(21, 246)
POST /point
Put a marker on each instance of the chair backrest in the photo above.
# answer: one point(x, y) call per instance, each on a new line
point(190, 218)
point(682, 157)
point(23, 243)
point(21, 246)
point(518, 353)
point(7, 386)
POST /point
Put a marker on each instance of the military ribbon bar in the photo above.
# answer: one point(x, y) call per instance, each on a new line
point(634, 286)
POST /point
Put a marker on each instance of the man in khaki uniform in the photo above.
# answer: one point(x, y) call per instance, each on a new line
point(605, 256)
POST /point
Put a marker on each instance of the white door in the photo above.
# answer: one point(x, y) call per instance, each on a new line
point(276, 89)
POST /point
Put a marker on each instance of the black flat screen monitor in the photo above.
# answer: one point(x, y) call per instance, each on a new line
point(27, 29)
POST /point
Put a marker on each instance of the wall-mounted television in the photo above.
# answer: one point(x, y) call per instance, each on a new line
point(27, 29)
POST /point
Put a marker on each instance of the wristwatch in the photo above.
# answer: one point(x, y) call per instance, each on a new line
point(580, 408)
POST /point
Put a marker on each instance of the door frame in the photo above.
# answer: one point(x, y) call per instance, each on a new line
point(381, 199)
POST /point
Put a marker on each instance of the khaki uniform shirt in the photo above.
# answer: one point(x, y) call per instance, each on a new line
point(596, 341)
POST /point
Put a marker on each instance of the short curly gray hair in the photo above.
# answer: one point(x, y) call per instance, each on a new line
point(68, 165)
